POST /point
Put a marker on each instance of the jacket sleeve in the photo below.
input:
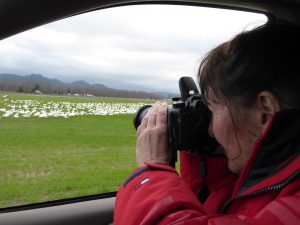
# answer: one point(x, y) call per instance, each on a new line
point(156, 195)
point(153, 194)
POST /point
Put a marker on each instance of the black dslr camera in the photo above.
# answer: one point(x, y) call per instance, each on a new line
point(188, 121)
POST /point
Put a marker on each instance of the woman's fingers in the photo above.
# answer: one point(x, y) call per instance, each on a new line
point(142, 126)
point(161, 118)
point(152, 143)
point(149, 120)
point(151, 115)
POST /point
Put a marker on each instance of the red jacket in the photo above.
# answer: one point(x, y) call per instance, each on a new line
point(266, 192)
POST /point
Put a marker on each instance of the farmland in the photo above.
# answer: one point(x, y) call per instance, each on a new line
point(56, 147)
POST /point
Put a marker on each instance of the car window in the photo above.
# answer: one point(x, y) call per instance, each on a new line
point(69, 91)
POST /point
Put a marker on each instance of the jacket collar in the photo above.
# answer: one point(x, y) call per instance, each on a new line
point(275, 155)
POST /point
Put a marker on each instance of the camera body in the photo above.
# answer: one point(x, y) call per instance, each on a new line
point(188, 120)
point(188, 123)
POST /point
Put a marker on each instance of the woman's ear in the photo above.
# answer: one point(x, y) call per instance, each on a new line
point(268, 105)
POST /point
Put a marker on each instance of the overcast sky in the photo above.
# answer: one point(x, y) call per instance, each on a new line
point(134, 47)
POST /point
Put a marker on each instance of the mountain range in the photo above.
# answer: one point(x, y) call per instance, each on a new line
point(34, 82)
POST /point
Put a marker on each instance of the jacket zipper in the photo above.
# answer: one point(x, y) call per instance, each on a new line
point(275, 187)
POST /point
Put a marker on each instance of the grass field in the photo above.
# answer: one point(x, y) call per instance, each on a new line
point(43, 159)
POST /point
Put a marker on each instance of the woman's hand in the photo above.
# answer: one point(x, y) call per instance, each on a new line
point(152, 144)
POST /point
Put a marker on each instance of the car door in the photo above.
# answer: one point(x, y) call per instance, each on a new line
point(69, 91)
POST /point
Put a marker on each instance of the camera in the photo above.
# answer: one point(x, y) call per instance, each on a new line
point(188, 120)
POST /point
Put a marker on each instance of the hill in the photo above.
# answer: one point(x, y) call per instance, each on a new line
point(38, 83)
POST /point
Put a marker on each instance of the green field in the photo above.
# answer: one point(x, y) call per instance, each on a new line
point(43, 159)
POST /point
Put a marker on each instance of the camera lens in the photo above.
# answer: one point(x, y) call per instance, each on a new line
point(140, 114)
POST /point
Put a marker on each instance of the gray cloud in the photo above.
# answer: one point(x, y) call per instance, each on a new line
point(137, 47)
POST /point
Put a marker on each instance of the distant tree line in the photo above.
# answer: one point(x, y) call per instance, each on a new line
point(31, 86)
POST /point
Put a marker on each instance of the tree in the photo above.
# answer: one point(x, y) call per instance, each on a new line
point(21, 89)
point(36, 87)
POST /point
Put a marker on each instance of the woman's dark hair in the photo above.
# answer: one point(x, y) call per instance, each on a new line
point(266, 58)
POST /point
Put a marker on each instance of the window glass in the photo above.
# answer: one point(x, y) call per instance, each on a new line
point(69, 89)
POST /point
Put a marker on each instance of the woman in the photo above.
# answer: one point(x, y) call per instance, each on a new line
point(251, 86)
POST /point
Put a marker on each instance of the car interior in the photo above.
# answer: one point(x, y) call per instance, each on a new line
point(18, 16)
